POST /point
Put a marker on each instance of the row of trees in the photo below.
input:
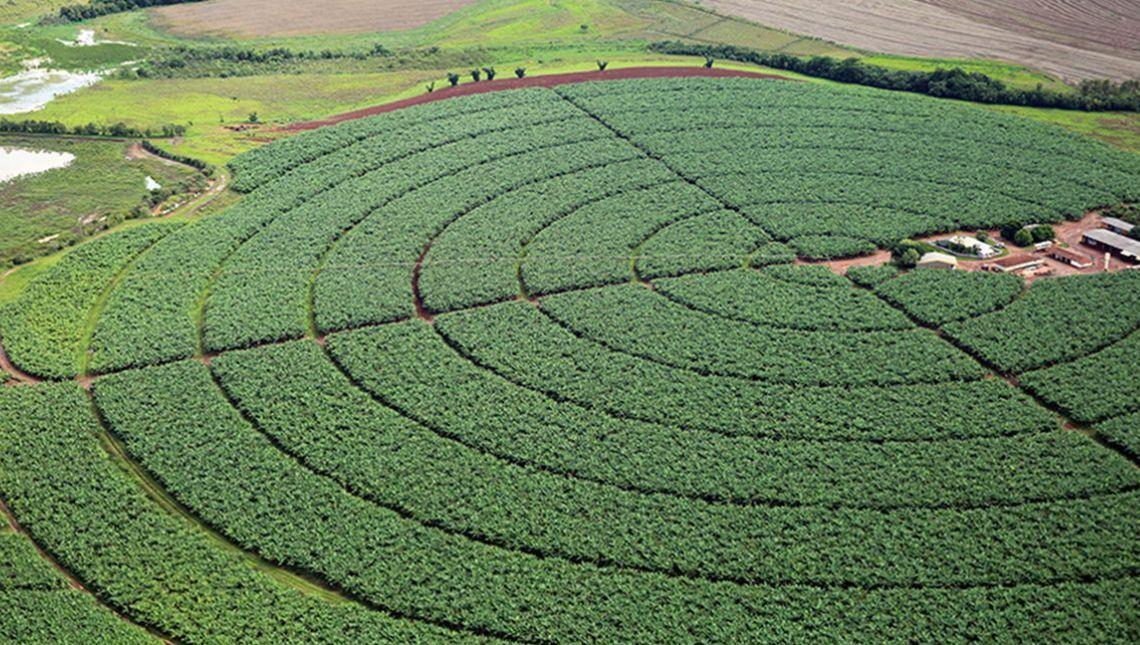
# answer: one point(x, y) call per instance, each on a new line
point(96, 8)
point(32, 126)
point(224, 61)
point(946, 83)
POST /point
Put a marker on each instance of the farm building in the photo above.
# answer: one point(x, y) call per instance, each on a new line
point(1118, 225)
point(1015, 263)
point(1070, 257)
point(936, 260)
point(1125, 247)
point(975, 246)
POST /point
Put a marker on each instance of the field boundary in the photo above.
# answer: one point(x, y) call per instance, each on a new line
point(546, 81)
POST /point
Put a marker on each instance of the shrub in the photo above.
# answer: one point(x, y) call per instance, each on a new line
point(453, 78)
point(520, 72)
point(602, 65)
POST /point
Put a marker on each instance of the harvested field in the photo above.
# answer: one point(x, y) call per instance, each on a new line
point(259, 18)
point(1073, 40)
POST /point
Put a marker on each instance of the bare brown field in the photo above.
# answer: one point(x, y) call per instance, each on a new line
point(1071, 39)
point(261, 18)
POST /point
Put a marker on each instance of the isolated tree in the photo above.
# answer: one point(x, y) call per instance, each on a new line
point(476, 75)
point(490, 72)
point(520, 72)
point(709, 60)
point(252, 117)
point(602, 65)
point(1043, 233)
point(453, 78)
point(431, 87)
point(908, 259)
point(1024, 237)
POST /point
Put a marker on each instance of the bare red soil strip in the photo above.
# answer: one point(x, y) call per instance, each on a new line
point(550, 80)
point(14, 372)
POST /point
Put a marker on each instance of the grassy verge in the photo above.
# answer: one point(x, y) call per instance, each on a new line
point(101, 186)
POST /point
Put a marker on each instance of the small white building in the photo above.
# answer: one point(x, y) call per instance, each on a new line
point(976, 246)
point(936, 260)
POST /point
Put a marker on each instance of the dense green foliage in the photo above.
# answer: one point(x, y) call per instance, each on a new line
point(1057, 320)
point(96, 8)
point(155, 568)
point(938, 297)
point(952, 83)
point(542, 366)
point(44, 331)
point(40, 607)
point(1095, 387)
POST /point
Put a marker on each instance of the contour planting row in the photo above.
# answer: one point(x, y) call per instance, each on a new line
point(138, 556)
point(45, 330)
point(769, 145)
point(154, 314)
point(262, 292)
point(434, 468)
point(634, 321)
point(178, 424)
point(751, 456)
point(156, 568)
point(762, 298)
point(939, 297)
point(347, 294)
point(40, 606)
point(263, 165)
point(1055, 321)
point(653, 105)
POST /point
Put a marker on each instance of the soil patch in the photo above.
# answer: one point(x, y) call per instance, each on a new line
point(1072, 39)
point(550, 80)
point(262, 18)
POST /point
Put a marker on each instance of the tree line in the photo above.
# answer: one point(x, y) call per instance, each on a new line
point(32, 126)
point(954, 83)
point(96, 8)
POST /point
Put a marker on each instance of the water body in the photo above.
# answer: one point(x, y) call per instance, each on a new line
point(19, 162)
point(33, 88)
point(86, 38)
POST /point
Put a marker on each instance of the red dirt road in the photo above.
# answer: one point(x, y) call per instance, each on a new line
point(550, 80)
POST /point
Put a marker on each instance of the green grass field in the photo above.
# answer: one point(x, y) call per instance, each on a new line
point(99, 188)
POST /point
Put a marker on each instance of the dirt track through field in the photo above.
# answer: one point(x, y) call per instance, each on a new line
point(511, 83)
point(1072, 39)
point(261, 18)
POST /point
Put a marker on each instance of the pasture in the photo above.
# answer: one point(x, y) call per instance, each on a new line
point(539, 365)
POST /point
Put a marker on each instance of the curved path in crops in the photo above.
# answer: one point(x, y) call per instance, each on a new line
point(568, 383)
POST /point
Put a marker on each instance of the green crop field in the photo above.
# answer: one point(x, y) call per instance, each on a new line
point(545, 365)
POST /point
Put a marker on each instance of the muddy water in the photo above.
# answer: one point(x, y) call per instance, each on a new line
point(32, 89)
point(18, 162)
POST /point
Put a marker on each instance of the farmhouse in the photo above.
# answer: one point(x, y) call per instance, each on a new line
point(971, 245)
point(1070, 257)
point(936, 260)
point(1125, 247)
point(1015, 263)
point(1118, 225)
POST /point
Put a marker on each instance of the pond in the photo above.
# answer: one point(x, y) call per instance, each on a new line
point(17, 162)
point(33, 88)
